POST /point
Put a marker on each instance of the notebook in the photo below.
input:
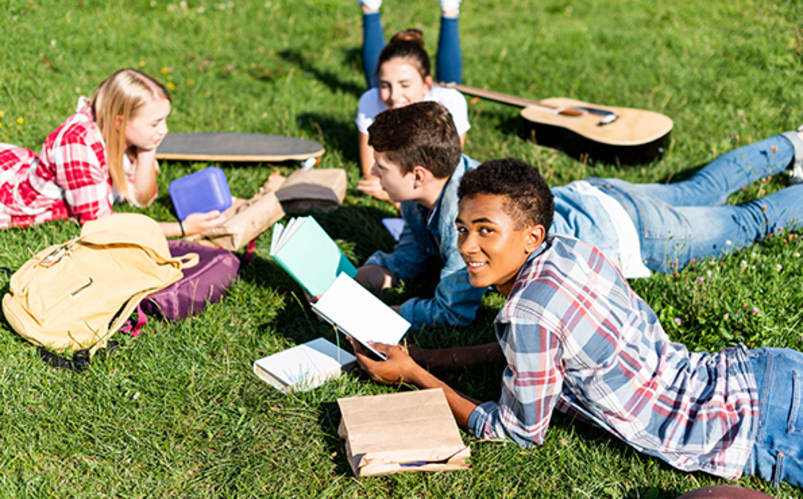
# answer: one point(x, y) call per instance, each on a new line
point(308, 254)
point(356, 312)
point(304, 367)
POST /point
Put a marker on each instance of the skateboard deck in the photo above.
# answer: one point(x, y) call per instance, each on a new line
point(236, 147)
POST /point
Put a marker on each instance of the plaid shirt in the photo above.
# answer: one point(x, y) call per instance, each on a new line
point(70, 178)
point(578, 339)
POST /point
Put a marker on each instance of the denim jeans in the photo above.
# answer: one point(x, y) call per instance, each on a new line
point(686, 220)
point(448, 61)
point(778, 450)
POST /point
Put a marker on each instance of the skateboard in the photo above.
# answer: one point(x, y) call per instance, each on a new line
point(238, 147)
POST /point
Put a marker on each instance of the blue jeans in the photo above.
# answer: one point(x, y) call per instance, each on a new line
point(778, 450)
point(684, 221)
point(448, 61)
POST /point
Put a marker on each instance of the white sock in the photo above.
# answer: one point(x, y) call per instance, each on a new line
point(449, 4)
point(371, 4)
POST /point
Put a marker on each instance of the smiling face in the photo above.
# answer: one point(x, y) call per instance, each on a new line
point(490, 242)
point(148, 126)
point(400, 83)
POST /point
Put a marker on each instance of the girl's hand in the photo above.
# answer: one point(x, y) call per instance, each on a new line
point(146, 168)
point(372, 187)
point(199, 222)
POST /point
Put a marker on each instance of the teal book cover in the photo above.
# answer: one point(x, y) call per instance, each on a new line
point(309, 255)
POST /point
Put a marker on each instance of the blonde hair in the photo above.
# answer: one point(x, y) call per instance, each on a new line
point(122, 94)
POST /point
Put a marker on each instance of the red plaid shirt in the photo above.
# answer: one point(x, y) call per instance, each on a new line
point(70, 178)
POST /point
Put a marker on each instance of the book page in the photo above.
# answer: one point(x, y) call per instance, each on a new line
point(278, 228)
point(285, 233)
point(360, 314)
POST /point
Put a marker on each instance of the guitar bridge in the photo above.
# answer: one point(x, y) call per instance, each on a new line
point(608, 119)
point(607, 116)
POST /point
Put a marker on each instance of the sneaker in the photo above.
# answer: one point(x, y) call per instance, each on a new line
point(796, 175)
point(447, 5)
point(369, 4)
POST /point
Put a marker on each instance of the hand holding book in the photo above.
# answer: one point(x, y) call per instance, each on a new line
point(310, 256)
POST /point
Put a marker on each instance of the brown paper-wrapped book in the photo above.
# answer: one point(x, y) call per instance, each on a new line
point(301, 191)
point(321, 189)
point(398, 432)
point(246, 219)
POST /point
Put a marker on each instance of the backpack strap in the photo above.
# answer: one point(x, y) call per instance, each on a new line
point(79, 361)
point(136, 329)
point(188, 260)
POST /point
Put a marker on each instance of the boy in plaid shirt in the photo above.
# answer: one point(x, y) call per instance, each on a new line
point(576, 338)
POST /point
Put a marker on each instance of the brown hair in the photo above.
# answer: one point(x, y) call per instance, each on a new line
point(407, 44)
point(421, 133)
point(122, 94)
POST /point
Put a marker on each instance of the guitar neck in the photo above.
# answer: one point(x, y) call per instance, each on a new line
point(511, 100)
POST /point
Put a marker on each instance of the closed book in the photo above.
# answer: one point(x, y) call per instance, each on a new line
point(401, 432)
point(303, 367)
point(308, 254)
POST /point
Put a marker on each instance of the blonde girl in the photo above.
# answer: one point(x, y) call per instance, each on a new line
point(103, 153)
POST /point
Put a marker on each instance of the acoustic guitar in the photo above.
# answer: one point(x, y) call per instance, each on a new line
point(606, 133)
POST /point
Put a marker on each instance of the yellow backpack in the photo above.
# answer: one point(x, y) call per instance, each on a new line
point(73, 296)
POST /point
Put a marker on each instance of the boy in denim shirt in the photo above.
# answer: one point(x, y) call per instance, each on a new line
point(419, 163)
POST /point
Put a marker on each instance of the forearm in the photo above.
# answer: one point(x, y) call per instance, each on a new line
point(457, 357)
point(461, 405)
point(171, 229)
point(145, 177)
point(366, 156)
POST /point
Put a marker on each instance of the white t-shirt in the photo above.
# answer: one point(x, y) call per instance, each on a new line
point(371, 105)
point(629, 257)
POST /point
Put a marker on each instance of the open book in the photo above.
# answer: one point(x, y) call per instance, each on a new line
point(303, 367)
point(308, 254)
point(356, 312)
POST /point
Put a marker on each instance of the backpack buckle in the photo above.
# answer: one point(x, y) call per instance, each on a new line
point(57, 254)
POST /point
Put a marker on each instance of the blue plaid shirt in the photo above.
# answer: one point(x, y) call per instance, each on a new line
point(578, 339)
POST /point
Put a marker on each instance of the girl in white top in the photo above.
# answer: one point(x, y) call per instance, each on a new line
point(403, 71)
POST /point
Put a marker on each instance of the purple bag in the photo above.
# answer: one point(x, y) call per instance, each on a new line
point(202, 284)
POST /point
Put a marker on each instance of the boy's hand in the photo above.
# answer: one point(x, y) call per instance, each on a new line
point(398, 368)
point(375, 277)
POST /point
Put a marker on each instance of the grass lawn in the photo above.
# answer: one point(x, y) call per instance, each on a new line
point(178, 412)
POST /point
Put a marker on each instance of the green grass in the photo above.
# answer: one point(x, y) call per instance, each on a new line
point(178, 412)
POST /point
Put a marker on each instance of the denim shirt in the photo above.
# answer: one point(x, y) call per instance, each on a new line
point(434, 234)
point(427, 235)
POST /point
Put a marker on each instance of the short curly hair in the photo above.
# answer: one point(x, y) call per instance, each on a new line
point(529, 199)
point(422, 134)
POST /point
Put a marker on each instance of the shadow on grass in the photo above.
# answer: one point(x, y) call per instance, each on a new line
point(338, 134)
point(329, 420)
point(329, 78)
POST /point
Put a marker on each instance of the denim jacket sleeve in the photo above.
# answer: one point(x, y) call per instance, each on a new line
point(410, 253)
point(456, 301)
